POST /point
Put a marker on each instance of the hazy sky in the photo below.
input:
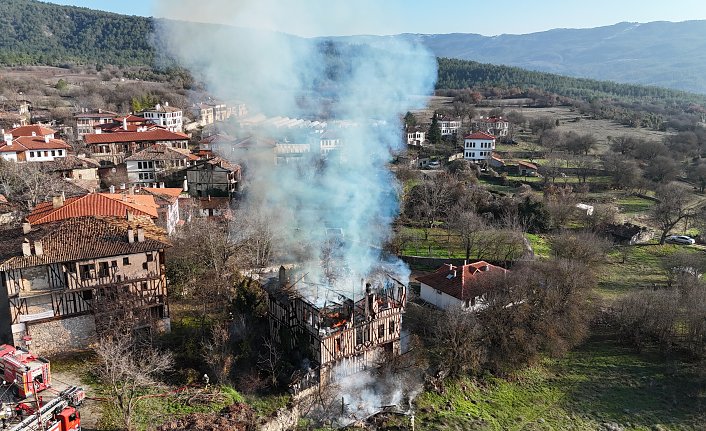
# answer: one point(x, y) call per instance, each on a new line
point(426, 16)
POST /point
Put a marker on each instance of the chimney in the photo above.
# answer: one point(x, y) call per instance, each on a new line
point(26, 248)
point(7, 137)
point(34, 134)
point(132, 190)
point(454, 273)
point(367, 300)
point(26, 227)
point(161, 185)
point(97, 130)
point(209, 198)
point(485, 268)
point(128, 215)
point(57, 202)
point(166, 104)
point(122, 186)
point(185, 187)
point(125, 123)
point(140, 234)
point(46, 139)
point(38, 248)
point(130, 235)
point(100, 111)
point(112, 189)
point(282, 276)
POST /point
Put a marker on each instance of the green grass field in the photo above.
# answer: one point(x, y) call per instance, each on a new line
point(601, 382)
point(634, 267)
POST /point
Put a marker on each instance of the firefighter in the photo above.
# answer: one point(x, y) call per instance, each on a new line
point(206, 380)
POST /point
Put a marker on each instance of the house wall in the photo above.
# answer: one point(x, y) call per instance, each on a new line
point(438, 298)
point(477, 150)
point(202, 179)
point(58, 336)
point(44, 155)
point(9, 156)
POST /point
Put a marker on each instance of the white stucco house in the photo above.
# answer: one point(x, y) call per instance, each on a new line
point(166, 116)
point(32, 144)
point(457, 285)
point(478, 147)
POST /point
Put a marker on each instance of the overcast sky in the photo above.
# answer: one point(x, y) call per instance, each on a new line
point(345, 17)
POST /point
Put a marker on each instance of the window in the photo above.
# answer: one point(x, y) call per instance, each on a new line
point(150, 257)
point(114, 263)
point(86, 271)
point(103, 270)
point(126, 261)
point(31, 153)
point(46, 154)
point(53, 153)
point(392, 327)
point(381, 331)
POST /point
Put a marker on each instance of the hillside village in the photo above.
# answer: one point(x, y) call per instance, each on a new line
point(497, 257)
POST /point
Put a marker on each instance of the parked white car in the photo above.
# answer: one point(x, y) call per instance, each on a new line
point(680, 239)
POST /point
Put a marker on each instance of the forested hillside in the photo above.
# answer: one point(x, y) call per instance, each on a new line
point(35, 33)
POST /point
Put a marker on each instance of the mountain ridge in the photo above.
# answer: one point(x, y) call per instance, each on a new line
point(659, 53)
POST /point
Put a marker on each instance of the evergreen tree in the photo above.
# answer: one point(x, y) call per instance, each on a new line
point(434, 134)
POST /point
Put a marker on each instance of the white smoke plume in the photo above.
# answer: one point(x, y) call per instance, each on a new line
point(367, 87)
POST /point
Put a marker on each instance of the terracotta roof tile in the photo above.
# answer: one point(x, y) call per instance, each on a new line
point(94, 204)
point(464, 285)
point(28, 130)
point(479, 135)
point(149, 135)
point(79, 238)
point(160, 152)
point(33, 143)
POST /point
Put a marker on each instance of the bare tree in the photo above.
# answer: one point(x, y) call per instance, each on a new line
point(457, 335)
point(583, 247)
point(270, 360)
point(671, 208)
point(129, 371)
point(429, 201)
point(469, 226)
point(217, 352)
point(27, 185)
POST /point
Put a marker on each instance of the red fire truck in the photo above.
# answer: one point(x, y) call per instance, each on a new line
point(26, 372)
point(59, 414)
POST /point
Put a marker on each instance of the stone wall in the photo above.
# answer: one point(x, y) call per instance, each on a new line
point(60, 335)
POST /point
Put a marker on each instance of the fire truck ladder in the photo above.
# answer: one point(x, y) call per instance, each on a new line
point(72, 396)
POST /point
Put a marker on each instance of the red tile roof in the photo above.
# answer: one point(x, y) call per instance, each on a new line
point(160, 152)
point(79, 238)
point(464, 285)
point(479, 135)
point(169, 194)
point(28, 130)
point(492, 120)
point(527, 164)
point(33, 143)
point(94, 204)
point(150, 135)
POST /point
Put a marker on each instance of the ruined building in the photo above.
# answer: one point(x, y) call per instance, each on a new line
point(349, 334)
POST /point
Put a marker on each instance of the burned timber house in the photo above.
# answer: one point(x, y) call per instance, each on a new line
point(338, 337)
point(65, 280)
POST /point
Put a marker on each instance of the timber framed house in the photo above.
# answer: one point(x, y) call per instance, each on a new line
point(63, 281)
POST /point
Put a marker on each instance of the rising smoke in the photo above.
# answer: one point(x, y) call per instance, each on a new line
point(359, 91)
point(365, 88)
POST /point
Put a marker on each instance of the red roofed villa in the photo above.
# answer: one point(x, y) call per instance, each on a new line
point(457, 286)
point(32, 144)
point(478, 147)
